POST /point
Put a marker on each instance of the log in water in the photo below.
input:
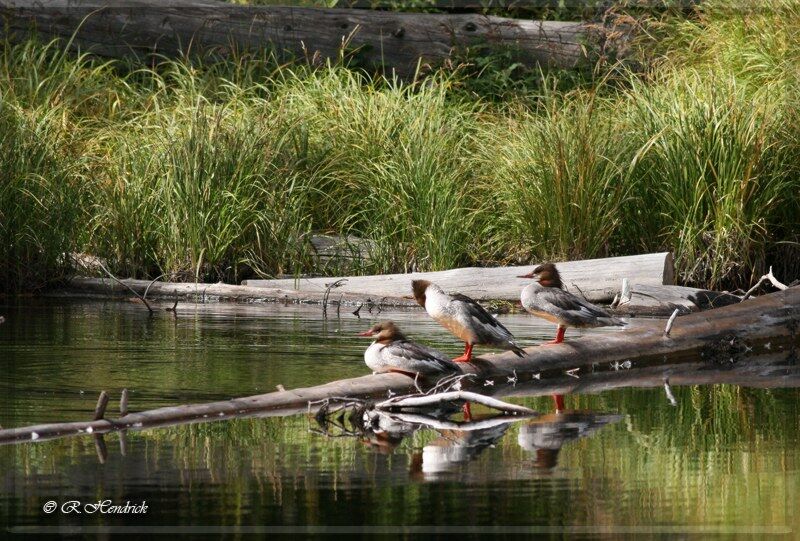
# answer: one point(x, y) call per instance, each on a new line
point(598, 280)
point(723, 338)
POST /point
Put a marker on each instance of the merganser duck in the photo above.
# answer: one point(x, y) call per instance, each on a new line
point(547, 299)
point(393, 352)
point(465, 318)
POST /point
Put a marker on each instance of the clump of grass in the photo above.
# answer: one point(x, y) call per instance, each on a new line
point(558, 177)
point(716, 173)
point(396, 166)
point(216, 170)
point(200, 191)
point(42, 200)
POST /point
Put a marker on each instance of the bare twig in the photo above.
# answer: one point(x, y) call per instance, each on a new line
point(330, 286)
point(339, 306)
point(123, 403)
point(174, 308)
point(100, 409)
point(626, 293)
point(579, 290)
point(357, 310)
point(151, 283)
point(429, 400)
point(120, 282)
point(771, 278)
point(670, 321)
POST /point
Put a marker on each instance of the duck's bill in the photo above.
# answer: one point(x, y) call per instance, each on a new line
point(529, 275)
point(366, 333)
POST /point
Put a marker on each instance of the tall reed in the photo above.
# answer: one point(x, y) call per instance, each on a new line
point(43, 200)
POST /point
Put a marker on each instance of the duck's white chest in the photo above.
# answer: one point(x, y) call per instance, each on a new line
point(374, 358)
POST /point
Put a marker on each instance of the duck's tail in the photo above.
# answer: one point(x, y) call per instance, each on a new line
point(612, 322)
point(518, 350)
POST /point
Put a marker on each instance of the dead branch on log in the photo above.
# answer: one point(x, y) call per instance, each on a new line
point(123, 403)
point(328, 288)
point(174, 308)
point(120, 282)
point(767, 277)
point(404, 402)
point(100, 409)
point(670, 321)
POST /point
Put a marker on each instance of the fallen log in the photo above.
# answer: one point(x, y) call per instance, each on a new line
point(380, 39)
point(720, 339)
point(661, 300)
point(202, 293)
point(598, 280)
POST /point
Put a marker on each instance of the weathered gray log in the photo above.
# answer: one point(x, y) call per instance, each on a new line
point(393, 40)
point(661, 300)
point(597, 279)
point(724, 337)
point(202, 293)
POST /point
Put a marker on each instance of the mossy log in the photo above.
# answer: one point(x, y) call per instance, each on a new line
point(722, 340)
point(383, 39)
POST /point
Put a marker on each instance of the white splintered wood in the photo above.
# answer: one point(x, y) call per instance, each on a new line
point(598, 279)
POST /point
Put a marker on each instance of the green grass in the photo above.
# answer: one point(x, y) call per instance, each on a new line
point(223, 170)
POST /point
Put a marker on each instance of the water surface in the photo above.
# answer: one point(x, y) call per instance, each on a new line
point(725, 460)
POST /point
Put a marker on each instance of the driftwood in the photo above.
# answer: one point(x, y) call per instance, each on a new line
point(721, 340)
point(219, 292)
point(596, 279)
point(398, 41)
point(410, 402)
point(661, 300)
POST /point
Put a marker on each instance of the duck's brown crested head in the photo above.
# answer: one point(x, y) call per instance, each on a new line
point(384, 331)
point(419, 287)
point(546, 274)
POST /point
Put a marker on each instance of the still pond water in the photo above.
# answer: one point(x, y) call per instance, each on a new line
point(725, 460)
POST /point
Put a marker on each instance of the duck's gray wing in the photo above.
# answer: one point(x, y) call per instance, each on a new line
point(572, 308)
point(413, 357)
point(489, 329)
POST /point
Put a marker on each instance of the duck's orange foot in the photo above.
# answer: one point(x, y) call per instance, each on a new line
point(552, 342)
point(463, 359)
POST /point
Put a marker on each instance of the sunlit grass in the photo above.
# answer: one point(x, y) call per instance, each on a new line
point(223, 170)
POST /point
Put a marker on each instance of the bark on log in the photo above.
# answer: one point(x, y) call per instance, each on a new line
point(597, 279)
point(720, 340)
point(120, 28)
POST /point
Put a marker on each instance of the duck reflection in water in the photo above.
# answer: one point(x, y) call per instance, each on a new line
point(547, 434)
point(456, 447)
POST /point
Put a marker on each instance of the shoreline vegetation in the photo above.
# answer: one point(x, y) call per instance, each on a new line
point(222, 171)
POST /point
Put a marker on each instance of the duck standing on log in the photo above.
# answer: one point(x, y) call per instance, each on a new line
point(548, 299)
point(393, 352)
point(465, 318)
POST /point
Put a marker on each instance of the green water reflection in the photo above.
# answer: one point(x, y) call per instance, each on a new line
point(724, 457)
